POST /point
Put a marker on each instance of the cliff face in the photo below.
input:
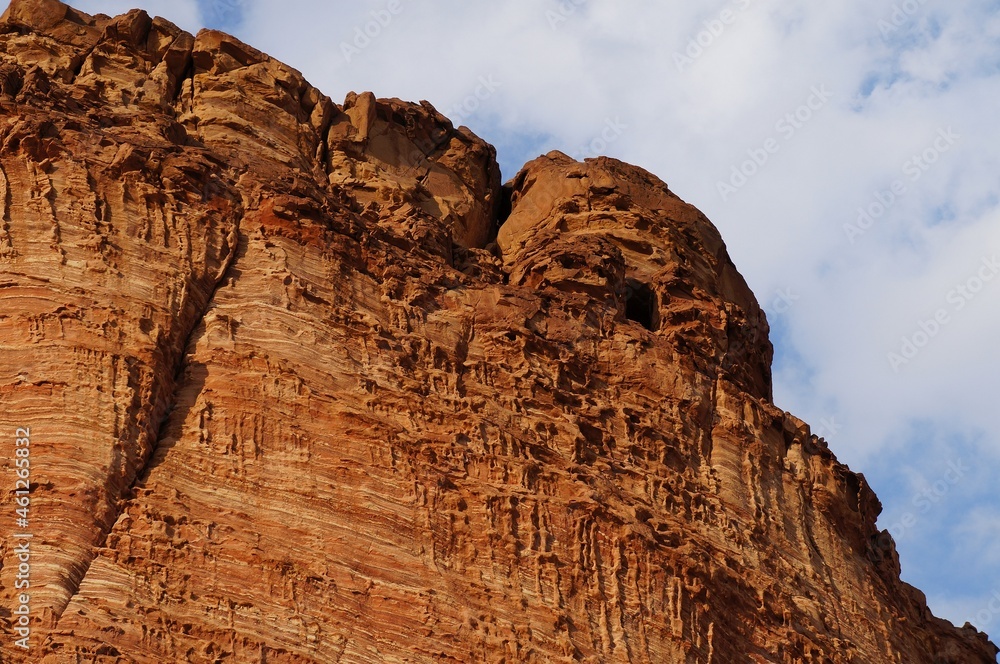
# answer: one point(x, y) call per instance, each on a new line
point(294, 397)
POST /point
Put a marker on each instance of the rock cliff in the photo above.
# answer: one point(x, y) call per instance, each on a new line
point(305, 383)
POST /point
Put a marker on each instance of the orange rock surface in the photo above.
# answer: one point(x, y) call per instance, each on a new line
point(304, 383)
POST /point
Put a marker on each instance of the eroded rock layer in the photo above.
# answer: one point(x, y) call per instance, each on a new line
point(297, 395)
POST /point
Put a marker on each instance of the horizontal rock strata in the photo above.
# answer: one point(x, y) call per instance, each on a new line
point(306, 384)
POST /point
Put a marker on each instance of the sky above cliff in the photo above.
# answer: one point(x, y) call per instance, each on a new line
point(847, 151)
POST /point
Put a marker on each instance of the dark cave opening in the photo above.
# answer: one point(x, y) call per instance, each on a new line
point(640, 304)
point(505, 204)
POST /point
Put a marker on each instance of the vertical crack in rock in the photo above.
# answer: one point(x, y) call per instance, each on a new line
point(7, 249)
point(172, 386)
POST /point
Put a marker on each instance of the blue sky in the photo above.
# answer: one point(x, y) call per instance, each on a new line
point(849, 152)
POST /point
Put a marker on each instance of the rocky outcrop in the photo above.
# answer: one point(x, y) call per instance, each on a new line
point(297, 395)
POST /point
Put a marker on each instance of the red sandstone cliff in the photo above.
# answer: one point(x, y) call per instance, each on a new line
point(293, 396)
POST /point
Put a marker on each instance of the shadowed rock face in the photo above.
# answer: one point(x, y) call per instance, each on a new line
point(295, 397)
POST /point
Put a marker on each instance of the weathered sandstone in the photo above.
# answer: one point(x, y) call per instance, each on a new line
point(306, 384)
